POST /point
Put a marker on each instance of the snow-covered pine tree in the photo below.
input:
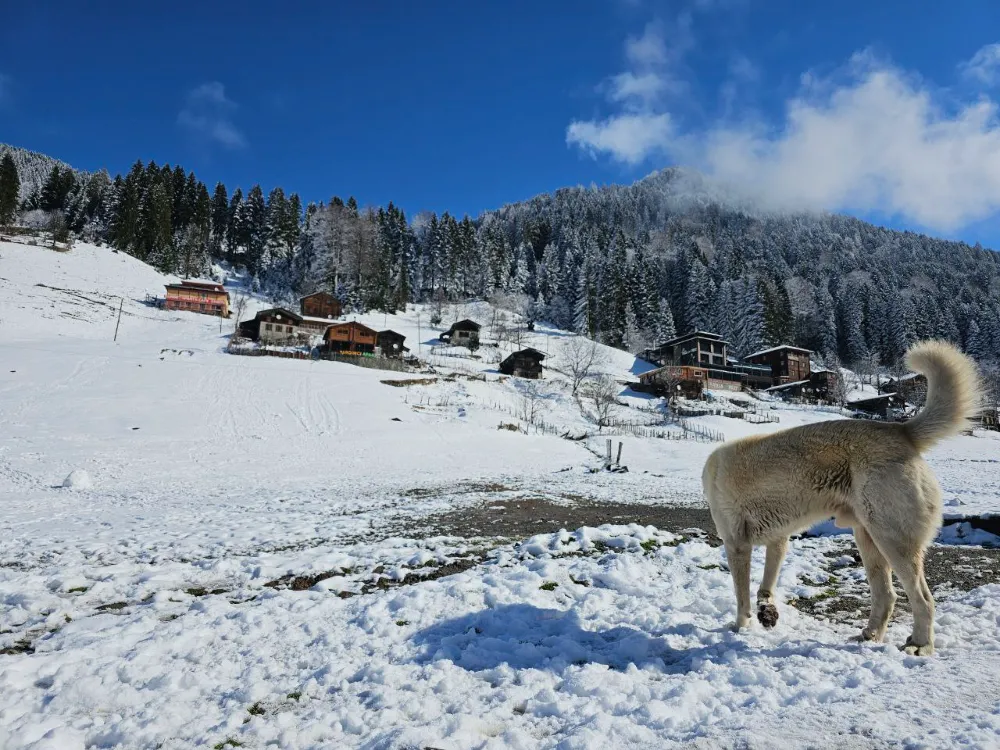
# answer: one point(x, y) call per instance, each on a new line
point(10, 187)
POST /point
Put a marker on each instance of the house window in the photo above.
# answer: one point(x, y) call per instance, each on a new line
point(267, 326)
point(288, 329)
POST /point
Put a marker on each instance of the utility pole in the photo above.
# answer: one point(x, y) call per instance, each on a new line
point(120, 305)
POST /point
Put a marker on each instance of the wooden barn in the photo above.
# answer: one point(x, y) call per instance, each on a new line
point(350, 338)
point(207, 297)
point(526, 363)
point(463, 333)
point(789, 364)
point(390, 344)
point(320, 305)
point(273, 326)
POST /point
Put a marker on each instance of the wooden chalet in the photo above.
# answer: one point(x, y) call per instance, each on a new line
point(689, 380)
point(193, 295)
point(912, 387)
point(390, 344)
point(693, 349)
point(320, 305)
point(350, 338)
point(274, 326)
point(789, 364)
point(526, 363)
point(463, 333)
point(888, 406)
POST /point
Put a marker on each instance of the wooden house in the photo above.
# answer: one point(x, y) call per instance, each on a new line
point(912, 387)
point(526, 363)
point(789, 364)
point(824, 383)
point(888, 406)
point(699, 348)
point(207, 297)
point(390, 344)
point(274, 326)
point(990, 418)
point(350, 338)
point(320, 305)
point(463, 333)
point(689, 380)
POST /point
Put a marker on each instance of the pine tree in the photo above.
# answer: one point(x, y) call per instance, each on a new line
point(974, 345)
point(10, 186)
point(256, 220)
point(220, 219)
point(663, 323)
point(826, 320)
point(698, 300)
point(236, 231)
point(160, 239)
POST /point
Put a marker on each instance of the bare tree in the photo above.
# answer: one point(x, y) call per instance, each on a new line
point(532, 402)
point(602, 393)
point(582, 357)
point(240, 302)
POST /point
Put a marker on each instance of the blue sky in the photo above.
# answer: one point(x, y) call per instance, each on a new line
point(880, 109)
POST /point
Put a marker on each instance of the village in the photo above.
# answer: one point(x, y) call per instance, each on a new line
point(691, 367)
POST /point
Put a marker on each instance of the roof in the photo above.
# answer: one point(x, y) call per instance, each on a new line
point(778, 349)
point(531, 352)
point(463, 324)
point(817, 368)
point(873, 399)
point(693, 334)
point(349, 324)
point(903, 378)
point(314, 319)
point(317, 294)
point(211, 286)
point(280, 311)
point(783, 386)
point(391, 334)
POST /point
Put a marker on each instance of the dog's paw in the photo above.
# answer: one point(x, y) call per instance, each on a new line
point(742, 623)
point(767, 615)
point(912, 649)
point(867, 636)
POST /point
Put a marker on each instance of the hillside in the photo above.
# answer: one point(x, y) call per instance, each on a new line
point(257, 546)
point(33, 168)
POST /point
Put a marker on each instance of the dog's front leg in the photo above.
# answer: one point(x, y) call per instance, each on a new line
point(738, 555)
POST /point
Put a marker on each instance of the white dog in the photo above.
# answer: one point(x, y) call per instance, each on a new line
point(867, 475)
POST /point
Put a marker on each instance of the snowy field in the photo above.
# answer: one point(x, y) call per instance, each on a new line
point(234, 568)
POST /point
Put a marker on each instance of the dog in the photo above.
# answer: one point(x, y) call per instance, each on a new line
point(867, 475)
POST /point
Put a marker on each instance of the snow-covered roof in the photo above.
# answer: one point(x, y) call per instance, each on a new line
point(313, 319)
point(783, 386)
point(816, 367)
point(779, 348)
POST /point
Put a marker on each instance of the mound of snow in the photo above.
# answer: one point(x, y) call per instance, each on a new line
point(78, 479)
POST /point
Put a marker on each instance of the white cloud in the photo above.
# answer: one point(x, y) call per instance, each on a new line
point(984, 67)
point(631, 138)
point(872, 140)
point(208, 113)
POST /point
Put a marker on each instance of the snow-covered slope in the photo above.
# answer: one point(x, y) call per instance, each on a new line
point(202, 476)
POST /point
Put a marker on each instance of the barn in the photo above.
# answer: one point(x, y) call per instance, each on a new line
point(526, 363)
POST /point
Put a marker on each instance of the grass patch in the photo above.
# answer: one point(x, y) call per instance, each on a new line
point(227, 743)
point(294, 696)
point(113, 607)
point(77, 590)
point(402, 623)
point(548, 586)
point(256, 709)
point(713, 566)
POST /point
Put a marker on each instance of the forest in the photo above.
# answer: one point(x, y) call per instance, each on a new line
point(627, 265)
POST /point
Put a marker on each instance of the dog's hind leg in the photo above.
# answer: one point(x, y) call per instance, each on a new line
point(738, 555)
point(767, 612)
point(880, 581)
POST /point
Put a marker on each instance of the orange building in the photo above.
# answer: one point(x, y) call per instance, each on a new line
point(350, 338)
point(205, 297)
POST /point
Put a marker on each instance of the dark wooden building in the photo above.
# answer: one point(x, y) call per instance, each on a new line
point(463, 333)
point(350, 338)
point(273, 326)
point(888, 406)
point(789, 364)
point(912, 387)
point(693, 349)
point(320, 305)
point(390, 343)
point(526, 363)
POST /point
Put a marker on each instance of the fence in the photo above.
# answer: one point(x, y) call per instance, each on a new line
point(761, 418)
point(372, 362)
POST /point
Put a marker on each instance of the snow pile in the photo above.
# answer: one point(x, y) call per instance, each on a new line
point(78, 479)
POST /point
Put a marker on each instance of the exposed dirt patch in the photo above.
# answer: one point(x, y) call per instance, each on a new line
point(521, 517)
point(409, 381)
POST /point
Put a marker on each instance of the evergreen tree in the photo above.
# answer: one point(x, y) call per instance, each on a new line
point(663, 322)
point(10, 187)
point(256, 226)
point(974, 345)
point(698, 298)
point(220, 219)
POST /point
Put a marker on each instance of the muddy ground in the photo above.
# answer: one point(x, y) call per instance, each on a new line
point(949, 568)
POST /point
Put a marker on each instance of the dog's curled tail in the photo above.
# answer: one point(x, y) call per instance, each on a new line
point(953, 392)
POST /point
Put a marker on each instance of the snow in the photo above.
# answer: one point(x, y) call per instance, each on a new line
point(78, 479)
point(778, 349)
point(144, 595)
